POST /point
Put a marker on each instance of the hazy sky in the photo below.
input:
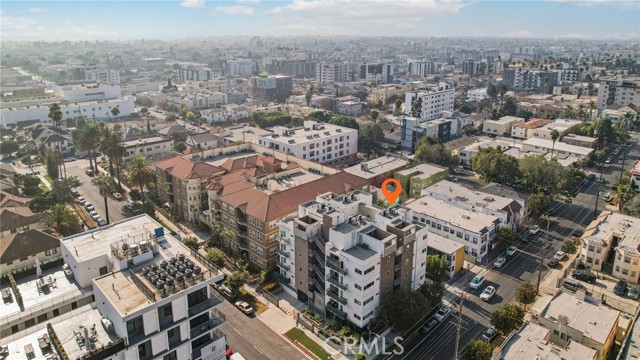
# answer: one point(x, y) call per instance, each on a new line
point(97, 20)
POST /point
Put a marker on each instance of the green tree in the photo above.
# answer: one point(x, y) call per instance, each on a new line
point(510, 106)
point(9, 146)
point(507, 318)
point(502, 90)
point(180, 147)
point(220, 232)
point(569, 246)
point(476, 349)
point(115, 111)
point(51, 164)
point(88, 139)
point(526, 294)
point(191, 242)
point(111, 146)
point(506, 236)
point(61, 189)
point(170, 118)
point(309, 94)
point(216, 257)
point(430, 150)
point(492, 165)
point(404, 309)
point(370, 138)
point(625, 191)
point(345, 121)
point(555, 134)
point(361, 356)
point(539, 204)
point(436, 268)
point(55, 114)
point(492, 92)
point(105, 185)
point(319, 116)
point(62, 219)
point(540, 174)
point(235, 280)
point(570, 180)
point(374, 115)
point(144, 111)
point(148, 208)
point(397, 106)
point(361, 94)
point(139, 172)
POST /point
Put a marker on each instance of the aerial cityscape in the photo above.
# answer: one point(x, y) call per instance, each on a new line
point(320, 180)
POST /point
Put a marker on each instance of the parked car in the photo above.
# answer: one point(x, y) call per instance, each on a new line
point(534, 229)
point(584, 275)
point(453, 178)
point(244, 307)
point(68, 159)
point(101, 222)
point(89, 172)
point(584, 182)
point(488, 293)
point(553, 263)
point(477, 281)
point(591, 176)
point(81, 200)
point(75, 192)
point(94, 215)
point(511, 250)
point(559, 255)
point(429, 326)
point(499, 262)
point(620, 288)
point(607, 197)
point(608, 161)
point(571, 284)
point(458, 171)
point(443, 313)
point(577, 233)
point(489, 334)
point(633, 293)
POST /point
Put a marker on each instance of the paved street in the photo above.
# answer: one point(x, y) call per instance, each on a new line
point(252, 338)
point(522, 266)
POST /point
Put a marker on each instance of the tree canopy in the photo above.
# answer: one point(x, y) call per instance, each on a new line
point(507, 318)
point(476, 349)
point(492, 165)
point(429, 149)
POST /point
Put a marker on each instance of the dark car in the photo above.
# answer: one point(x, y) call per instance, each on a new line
point(577, 233)
point(620, 288)
point(552, 263)
point(89, 172)
point(584, 276)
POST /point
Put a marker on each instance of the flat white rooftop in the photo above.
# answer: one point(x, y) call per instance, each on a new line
point(443, 244)
point(472, 221)
point(426, 170)
point(610, 224)
point(452, 190)
point(144, 141)
point(375, 167)
point(559, 146)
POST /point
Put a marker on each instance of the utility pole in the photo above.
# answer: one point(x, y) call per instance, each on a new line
point(459, 325)
point(595, 210)
point(624, 157)
point(543, 251)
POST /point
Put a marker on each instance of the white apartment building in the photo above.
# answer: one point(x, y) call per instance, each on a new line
point(155, 293)
point(564, 126)
point(356, 255)
point(97, 110)
point(436, 100)
point(635, 176)
point(525, 130)
point(501, 126)
point(324, 143)
point(196, 99)
point(616, 232)
point(475, 230)
point(88, 92)
point(100, 73)
point(618, 91)
point(216, 85)
point(241, 67)
point(509, 211)
point(147, 146)
point(477, 94)
point(422, 68)
point(214, 115)
point(544, 146)
point(331, 72)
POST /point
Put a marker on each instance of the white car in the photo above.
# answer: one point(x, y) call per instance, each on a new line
point(489, 334)
point(81, 200)
point(488, 293)
point(511, 250)
point(69, 159)
point(94, 215)
point(499, 262)
point(476, 282)
point(559, 255)
point(534, 229)
point(244, 307)
point(453, 178)
point(443, 313)
point(607, 197)
point(429, 326)
point(458, 171)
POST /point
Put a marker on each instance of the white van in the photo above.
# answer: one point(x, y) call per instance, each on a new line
point(477, 281)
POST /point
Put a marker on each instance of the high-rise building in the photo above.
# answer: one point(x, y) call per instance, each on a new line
point(618, 92)
point(345, 257)
point(422, 68)
point(329, 73)
point(271, 87)
point(240, 67)
point(378, 73)
point(434, 101)
point(201, 73)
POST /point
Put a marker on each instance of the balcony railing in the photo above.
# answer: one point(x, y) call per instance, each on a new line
point(282, 252)
point(315, 282)
point(396, 282)
point(204, 305)
point(280, 278)
point(317, 240)
point(197, 351)
point(242, 220)
point(335, 265)
point(216, 319)
point(341, 314)
point(336, 282)
point(335, 296)
point(397, 267)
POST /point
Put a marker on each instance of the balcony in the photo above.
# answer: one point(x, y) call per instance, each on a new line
point(335, 265)
point(204, 305)
point(216, 319)
point(282, 265)
point(396, 282)
point(197, 351)
point(316, 283)
point(319, 244)
point(339, 313)
point(397, 267)
point(243, 243)
point(335, 296)
point(242, 220)
point(281, 278)
point(317, 269)
point(242, 230)
point(336, 282)
point(282, 252)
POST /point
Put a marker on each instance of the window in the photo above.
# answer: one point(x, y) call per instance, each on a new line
point(368, 300)
point(142, 350)
point(358, 271)
point(358, 287)
point(167, 310)
point(56, 312)
point(357, 302)
point(369, 270)
point(368, 285)
point(135, 327)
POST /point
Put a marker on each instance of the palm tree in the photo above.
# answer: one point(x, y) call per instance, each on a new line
point(591, 106)
point(568, 112)
point(502, 90)
point(62, 219)
point(581, 113)
point(492, 93)
point(374, 115)
point(398, 104)
point(139, 173)
point(55, 114)
point(111, 146)
point(88, 139)
point(555, 134)
point(105, 184)
point(115, 112)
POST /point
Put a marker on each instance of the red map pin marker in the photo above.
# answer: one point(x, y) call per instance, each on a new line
point(391, 196)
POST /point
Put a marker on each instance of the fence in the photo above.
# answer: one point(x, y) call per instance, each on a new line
point(271, 297)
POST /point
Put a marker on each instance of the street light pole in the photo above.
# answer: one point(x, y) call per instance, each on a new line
point(543, 251)
point(459, 325)
point(624, 157)
point(595, 210)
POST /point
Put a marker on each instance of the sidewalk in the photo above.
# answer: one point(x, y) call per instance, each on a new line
point(281, 322)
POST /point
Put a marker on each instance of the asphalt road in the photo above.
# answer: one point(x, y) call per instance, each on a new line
point(522, 266)
point(252, 338)
point(91, 194)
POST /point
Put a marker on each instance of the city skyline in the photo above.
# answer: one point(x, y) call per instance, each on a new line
point(123, 20)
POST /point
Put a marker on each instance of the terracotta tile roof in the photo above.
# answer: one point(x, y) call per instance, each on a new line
point(28, 243)
point(265, 207)
point(13, 218)
point(183, 168)
point(6, 198)
point(533, 123)
point(247, 162)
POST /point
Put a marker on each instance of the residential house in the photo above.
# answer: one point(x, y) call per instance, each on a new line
point(416, 178)
point(18, 251)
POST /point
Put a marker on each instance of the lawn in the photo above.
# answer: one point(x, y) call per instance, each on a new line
point(301, 338)
point(256, 304)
